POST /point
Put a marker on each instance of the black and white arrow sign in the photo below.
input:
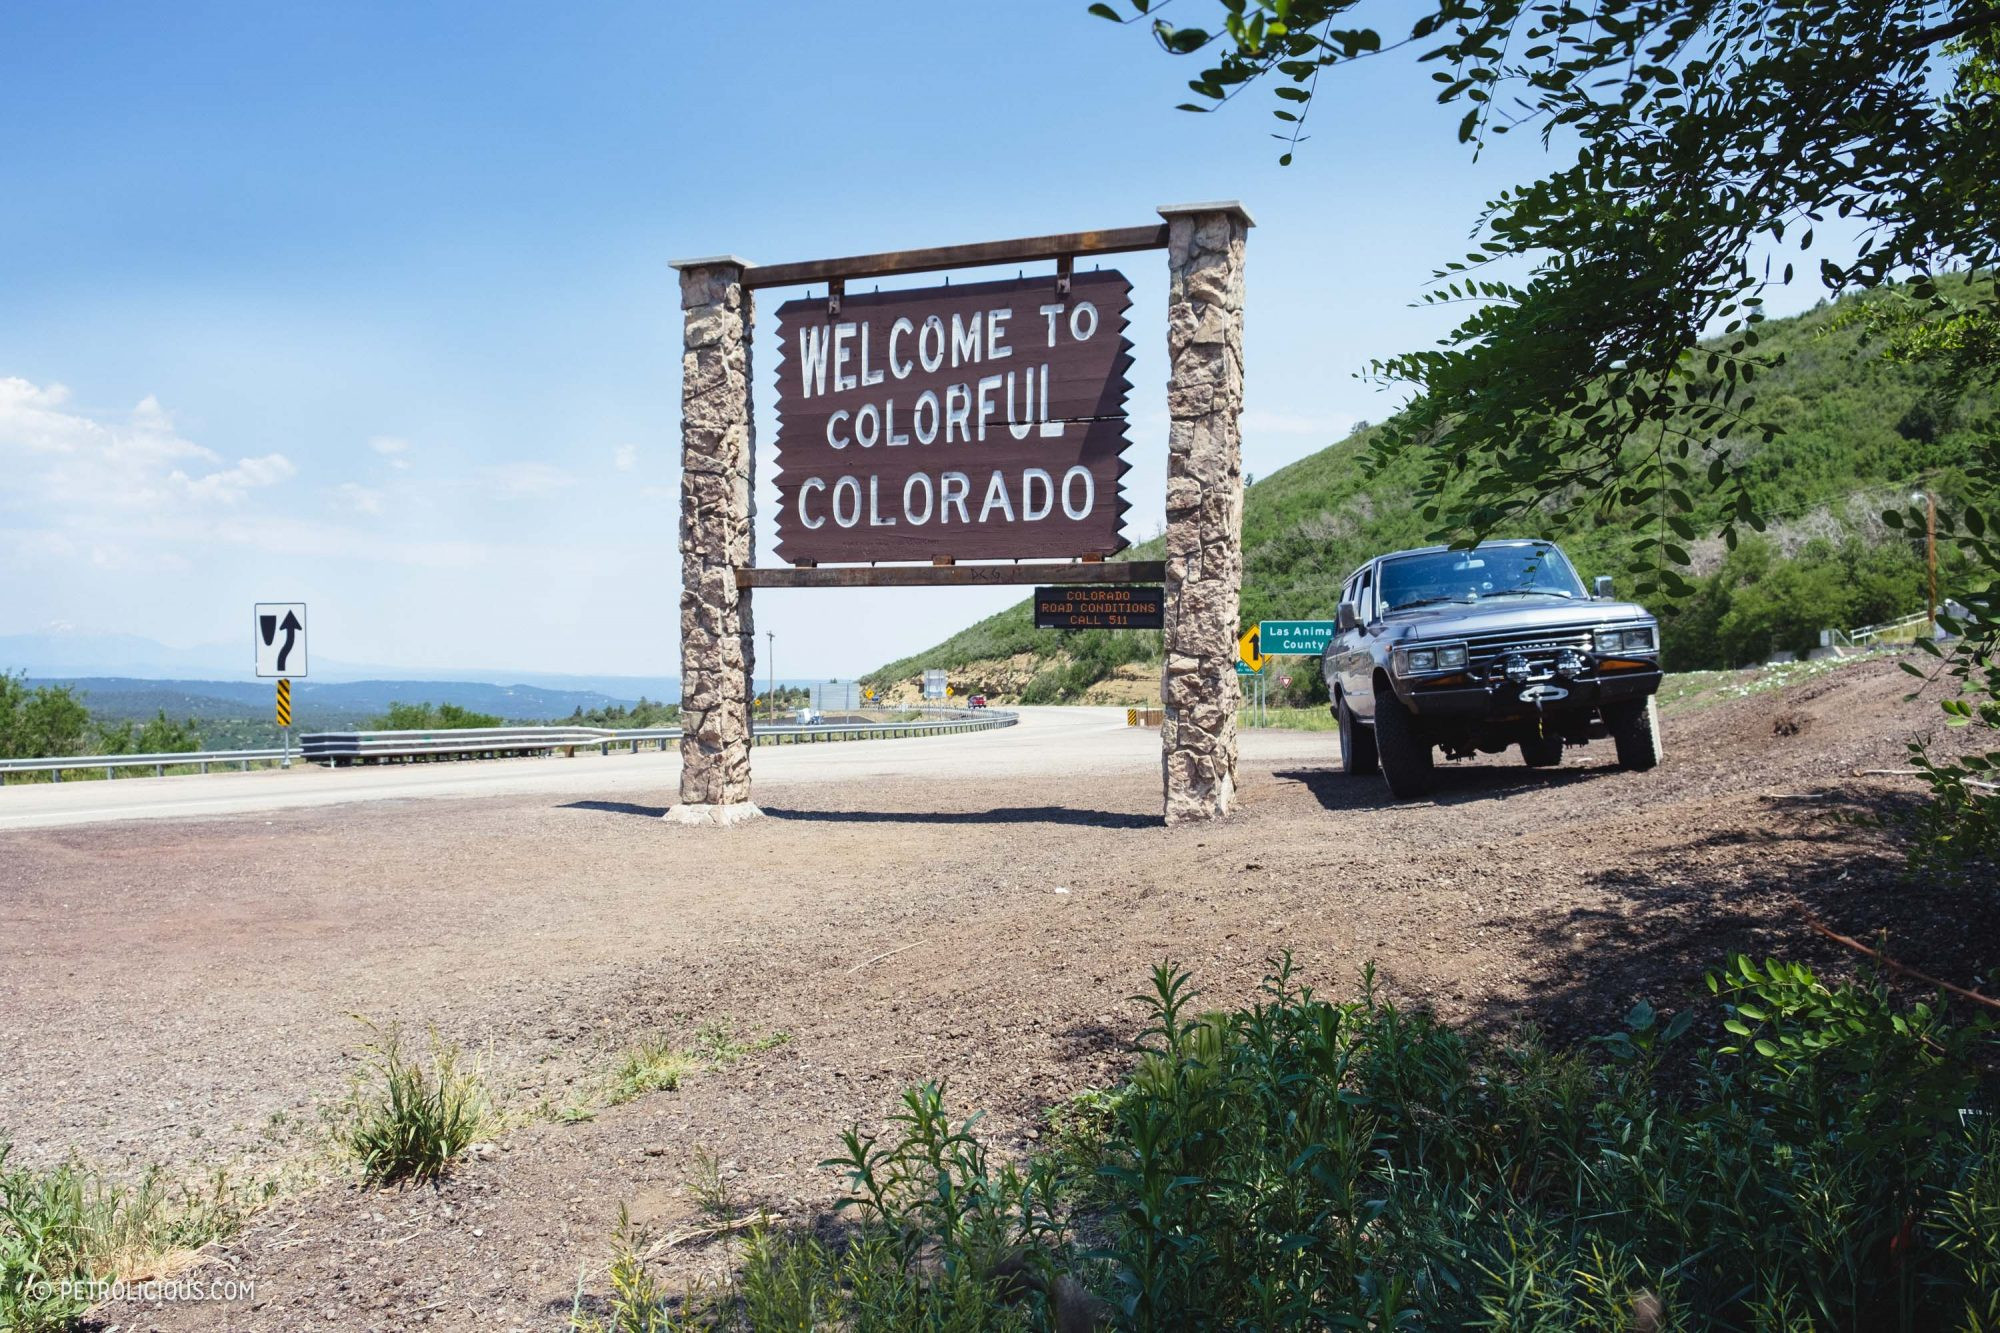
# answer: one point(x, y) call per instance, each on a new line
point(280, 636)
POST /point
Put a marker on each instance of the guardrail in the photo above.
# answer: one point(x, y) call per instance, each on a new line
point(1873, 633)
point(348, 747)
point(159, 763)
point(343, 748)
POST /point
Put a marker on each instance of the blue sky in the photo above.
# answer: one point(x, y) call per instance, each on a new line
point(369, 305)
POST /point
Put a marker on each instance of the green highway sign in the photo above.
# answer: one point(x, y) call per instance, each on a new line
point(1291, 637)
point(1243, 668)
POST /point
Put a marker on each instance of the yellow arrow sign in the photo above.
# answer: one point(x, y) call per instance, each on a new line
point(1247, 650)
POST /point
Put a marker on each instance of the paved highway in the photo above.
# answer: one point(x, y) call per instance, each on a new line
point(1046, 741)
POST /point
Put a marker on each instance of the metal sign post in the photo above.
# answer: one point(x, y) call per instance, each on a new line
point(278, 641)
point(285, 719)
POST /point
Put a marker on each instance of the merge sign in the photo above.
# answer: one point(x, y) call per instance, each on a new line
point(1100, 606)
point(975, 421)
point(1281, 638)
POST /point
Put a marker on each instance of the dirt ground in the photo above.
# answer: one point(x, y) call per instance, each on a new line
point(182, 991)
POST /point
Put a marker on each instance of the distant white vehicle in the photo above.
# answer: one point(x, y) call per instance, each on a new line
point(806, 717)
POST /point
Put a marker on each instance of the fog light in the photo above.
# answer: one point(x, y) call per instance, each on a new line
point(1569, 664)
point(1516, 668)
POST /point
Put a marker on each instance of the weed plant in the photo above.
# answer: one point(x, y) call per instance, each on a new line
point(404, 1120)
point(71, 1224)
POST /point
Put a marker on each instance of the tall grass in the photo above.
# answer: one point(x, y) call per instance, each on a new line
point(71, 1224)
point(405, 1120)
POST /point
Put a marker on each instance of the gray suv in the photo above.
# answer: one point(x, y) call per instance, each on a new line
point(1477, 650)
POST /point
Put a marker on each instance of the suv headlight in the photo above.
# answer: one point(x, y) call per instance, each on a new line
point(1428, 660)
point(1642, 639)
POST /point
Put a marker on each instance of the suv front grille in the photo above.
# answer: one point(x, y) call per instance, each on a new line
point(1540, 647)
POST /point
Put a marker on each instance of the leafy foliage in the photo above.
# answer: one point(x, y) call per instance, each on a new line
point(432, 717)
point(1711, 143)
point(50, 721)
point(1828, 1161)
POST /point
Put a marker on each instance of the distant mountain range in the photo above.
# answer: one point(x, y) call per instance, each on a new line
point(322, 704)
point(133, 660)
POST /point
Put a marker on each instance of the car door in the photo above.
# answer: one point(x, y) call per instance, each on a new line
point(1354, 666)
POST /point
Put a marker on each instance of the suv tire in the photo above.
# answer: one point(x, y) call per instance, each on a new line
point(1635, 731)
point(1357, 744)
point(1402, 750)
point(1542, 751)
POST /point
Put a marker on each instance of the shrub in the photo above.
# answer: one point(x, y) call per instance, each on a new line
point(1304, 1162)
point(405, 1121)
point(70, 1224)
point(1827, 1163)
point(651, 1066)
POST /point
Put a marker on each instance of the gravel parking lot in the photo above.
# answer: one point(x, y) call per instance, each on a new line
point(183, 990)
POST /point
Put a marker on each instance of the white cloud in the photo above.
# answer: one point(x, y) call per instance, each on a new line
point(358, 499)
point(392, 447)
point(526, 481)
point(625, 457)
point(59, 458)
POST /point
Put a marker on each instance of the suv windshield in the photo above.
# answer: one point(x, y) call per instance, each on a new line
point(1436, 577)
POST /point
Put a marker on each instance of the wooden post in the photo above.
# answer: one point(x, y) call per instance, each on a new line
point(1204, 538)
point(718, 459)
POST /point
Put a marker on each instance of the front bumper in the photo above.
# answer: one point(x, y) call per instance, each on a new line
point(1469, 700)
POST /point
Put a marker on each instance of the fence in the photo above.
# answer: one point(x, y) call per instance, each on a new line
point(340, 749)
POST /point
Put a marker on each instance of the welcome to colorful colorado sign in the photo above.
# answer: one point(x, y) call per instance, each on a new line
point(984, 421)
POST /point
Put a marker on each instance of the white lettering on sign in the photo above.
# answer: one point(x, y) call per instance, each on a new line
point(1029, 497)
point(851, 488)
point(902, 326)
point(813, 343)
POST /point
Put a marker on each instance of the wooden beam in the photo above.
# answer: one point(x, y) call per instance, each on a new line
point(951, 576)
point(1028, 249)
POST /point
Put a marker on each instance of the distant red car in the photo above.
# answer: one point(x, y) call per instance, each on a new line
point(978, 701)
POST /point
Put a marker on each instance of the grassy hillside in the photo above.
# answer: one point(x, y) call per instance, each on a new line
point(1859, 432)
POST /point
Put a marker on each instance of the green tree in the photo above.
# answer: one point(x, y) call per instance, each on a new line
point(432, 717)
point(159, 734)
point(45, 722)
point(1705, 145)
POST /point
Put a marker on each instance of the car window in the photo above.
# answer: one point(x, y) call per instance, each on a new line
point(1434, 577)
point(1365, 609)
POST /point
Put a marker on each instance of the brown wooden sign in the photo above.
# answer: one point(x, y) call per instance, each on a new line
point(1102, 606)
point(984, 421)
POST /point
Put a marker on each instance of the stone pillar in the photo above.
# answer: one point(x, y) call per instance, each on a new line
point(1204, 539)
point(718, 466)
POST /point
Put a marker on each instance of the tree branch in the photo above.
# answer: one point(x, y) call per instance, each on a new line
point(1849, 942)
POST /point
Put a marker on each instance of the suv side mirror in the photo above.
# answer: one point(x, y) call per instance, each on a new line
point(1601, 586)
point(1345, 617)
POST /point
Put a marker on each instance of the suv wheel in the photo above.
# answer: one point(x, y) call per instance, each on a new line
point(1635, 731)
point(1357, 745)
point(1400, 747)
point(1542, 751)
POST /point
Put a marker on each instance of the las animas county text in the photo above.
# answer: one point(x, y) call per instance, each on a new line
point(976, 421)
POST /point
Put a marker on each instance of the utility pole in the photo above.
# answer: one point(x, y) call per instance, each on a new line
point(1930, 562)
point(771, 690)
